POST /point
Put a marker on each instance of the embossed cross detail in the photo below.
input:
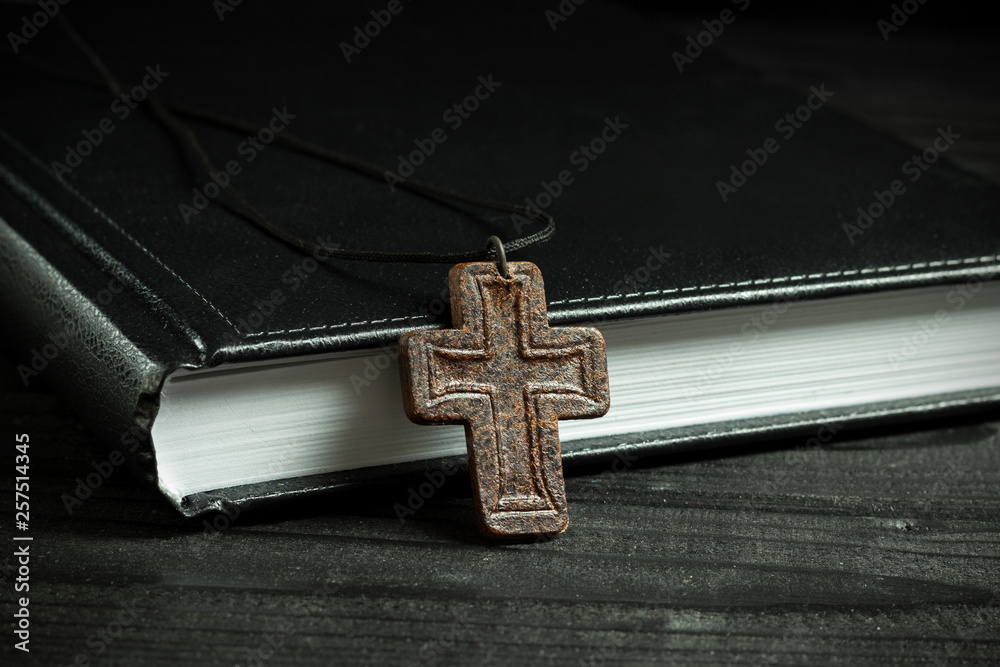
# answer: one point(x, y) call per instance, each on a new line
point(509, 378)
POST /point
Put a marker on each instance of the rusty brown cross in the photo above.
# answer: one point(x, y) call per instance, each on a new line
point(509, 378)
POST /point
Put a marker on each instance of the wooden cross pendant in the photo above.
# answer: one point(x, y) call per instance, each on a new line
point(509, 378)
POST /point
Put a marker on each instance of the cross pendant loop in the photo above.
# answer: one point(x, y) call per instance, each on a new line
point(501, 255)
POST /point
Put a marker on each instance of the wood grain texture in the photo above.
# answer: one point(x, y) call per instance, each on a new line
point(880, 548)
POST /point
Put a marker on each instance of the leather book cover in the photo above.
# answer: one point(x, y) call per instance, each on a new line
point(674, 192)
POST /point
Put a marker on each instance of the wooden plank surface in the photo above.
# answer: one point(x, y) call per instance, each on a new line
point(878, 548)
point(883, 547)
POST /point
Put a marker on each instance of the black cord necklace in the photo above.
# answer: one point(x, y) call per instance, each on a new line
point(233, 199)
point(501, 371)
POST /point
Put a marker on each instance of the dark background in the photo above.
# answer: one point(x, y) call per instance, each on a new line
point(879, 547)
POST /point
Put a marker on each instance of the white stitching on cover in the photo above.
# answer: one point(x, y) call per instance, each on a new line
point(333, 326)
point(812, 276)
point(674, 290)
point(31, 156)
point(147, 251)
point(700, 288)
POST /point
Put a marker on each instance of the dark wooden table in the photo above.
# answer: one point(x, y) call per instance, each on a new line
point(881, 547)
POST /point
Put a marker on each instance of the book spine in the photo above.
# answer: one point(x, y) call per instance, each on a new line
point(73, 345)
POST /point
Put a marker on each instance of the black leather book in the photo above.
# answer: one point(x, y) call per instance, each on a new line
point(759, 263)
